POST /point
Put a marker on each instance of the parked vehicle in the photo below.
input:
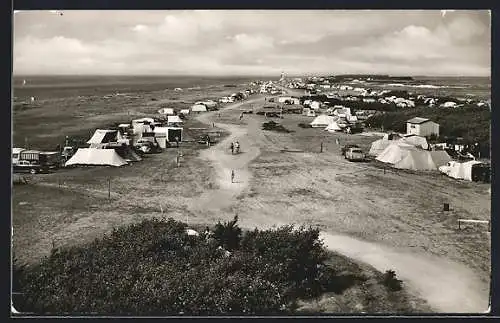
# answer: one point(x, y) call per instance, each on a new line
point(146, 146)
point(346, 147)
point(355, 154)
point(25, 166)
point(49, 159)
point(16, 155)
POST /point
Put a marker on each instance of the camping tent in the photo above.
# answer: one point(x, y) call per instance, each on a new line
point(459, 170)
point(127, 153)
point(208, 103)
point(322, 121)
point(174, 121)
point(378, 146)
point(185, 111)
point(199, 108)
point(93, 156)
point(416, 141)
point(103, 136)
point(332, 127)
point(395, 152)
point(166, 111)
point(423, 160)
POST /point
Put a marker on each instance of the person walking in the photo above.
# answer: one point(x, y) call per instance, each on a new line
point(241, 116)
point(232, 175)
point(237, 147)
point(232, 148)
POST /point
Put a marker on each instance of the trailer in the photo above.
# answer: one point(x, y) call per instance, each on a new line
point(50, 159)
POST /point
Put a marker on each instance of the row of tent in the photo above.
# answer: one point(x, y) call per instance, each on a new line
point(111, 147)
point(332, 123)
point(411, 152)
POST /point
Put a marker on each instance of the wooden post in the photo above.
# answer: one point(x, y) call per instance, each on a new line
point(109, 188)
point(321, 147)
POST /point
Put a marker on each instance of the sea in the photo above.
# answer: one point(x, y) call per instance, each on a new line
point(53, 87)
point(56, 87)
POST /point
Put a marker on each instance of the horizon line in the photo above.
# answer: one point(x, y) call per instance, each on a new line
point(253, 75)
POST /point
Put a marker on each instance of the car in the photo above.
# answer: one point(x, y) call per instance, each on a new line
point(25, 166)
point(355, 154)
point(346, 147)
point(145, 146)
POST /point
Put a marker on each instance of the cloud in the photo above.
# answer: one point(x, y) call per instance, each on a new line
point(253, 41)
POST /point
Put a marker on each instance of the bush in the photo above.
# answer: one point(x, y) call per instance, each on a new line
point(273, 126)
point(155, 268)
point(228, 235)
point(304, 125)
point(390, 281)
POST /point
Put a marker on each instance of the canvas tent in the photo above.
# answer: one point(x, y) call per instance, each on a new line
point(199, 108)
point(126, 153)
point(395, 152)
point(423, 160)
point(332, 127)
point(322, 121)
point(416, 141)
point(102, 137)
point(379, 145)
point(166, 111)
point(184, 111)
point(94, 156)
point(459, 170)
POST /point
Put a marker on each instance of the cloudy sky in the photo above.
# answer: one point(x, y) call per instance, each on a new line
point(252, 42)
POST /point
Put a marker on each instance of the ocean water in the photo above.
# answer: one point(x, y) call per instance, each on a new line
point(50, 87)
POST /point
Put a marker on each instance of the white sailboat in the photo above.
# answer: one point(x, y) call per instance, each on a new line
point(24, 82)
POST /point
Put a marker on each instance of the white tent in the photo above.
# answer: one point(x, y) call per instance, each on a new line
point(322, 121)
point(199, 108)
point(143, 120)
point(166, 111)
point(416, 141)
point(315, 105)
point(93, 156)
point(184, 111)
point(174, 121)
point(332, 127)
point(394, 152)
point(459, 170)
point(103, 136)
point(378, 146)
point(208, 103)
point(423, 160)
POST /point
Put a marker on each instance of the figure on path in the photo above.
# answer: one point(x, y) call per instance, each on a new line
point(237, 147)
point(232, 148)
point(241, 116)
point(232, 175)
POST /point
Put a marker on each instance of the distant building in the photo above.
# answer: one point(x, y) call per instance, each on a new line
point(422, 127)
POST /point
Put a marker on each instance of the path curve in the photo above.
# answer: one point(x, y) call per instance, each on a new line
point(448, 287)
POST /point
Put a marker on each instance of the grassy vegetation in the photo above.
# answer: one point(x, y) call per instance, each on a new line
point(155, 268)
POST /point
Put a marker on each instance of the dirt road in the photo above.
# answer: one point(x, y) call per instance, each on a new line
point(446, 286)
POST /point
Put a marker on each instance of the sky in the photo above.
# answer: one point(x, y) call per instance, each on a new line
point(252, 42)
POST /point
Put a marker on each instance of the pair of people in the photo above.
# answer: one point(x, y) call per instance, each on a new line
point(235, 147)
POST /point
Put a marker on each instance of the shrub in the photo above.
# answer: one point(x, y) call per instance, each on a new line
point(390, 281)
point(228, 235)
point(155, 268)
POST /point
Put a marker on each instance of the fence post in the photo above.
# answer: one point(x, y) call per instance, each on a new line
point(109, 188)
point(321, 147)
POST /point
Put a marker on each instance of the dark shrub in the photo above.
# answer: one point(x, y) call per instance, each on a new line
point(228, 235)
point(390, 281)
point(155, 268)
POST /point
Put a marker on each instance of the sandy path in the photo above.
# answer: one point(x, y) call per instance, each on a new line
point(445, 285)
